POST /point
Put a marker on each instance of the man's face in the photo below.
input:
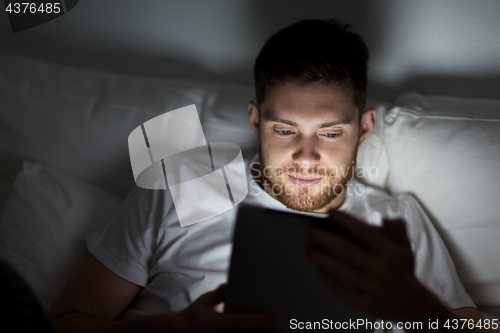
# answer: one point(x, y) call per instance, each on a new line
point(308, 140)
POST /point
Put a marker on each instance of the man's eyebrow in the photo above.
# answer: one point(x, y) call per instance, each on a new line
point(343, 121)
point(279, 120)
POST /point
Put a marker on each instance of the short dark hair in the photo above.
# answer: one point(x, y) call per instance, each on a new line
point(313, 51)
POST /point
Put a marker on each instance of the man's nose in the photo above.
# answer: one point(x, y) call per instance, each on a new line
point(306, 153)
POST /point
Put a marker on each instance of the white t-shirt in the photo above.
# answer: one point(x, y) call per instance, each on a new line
point(145, 244)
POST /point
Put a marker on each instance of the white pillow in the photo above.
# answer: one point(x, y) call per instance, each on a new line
point(44, 224)
point(446, 151)
point(78, 120)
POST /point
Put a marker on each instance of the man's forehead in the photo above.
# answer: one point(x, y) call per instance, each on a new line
point(319, 100)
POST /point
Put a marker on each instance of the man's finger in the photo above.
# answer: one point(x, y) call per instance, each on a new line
point(339, 246)
point(213, 297)
point(338, 270)
point(369, 235)
point(351, 296)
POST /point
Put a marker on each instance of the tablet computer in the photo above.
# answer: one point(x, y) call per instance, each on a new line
point(270, 272)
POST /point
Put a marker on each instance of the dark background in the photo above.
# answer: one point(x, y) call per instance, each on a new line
point(446, 47)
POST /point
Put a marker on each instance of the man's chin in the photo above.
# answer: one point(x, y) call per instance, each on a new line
point(305, 198)
point(304, 203)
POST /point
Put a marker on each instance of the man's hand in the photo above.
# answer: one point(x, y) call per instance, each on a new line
point(372, 269)
point(94, 297)
point(204, 315)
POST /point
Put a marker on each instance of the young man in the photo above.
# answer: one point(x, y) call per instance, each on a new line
point(155, 275)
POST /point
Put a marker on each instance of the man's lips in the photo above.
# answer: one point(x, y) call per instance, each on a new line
point(304, 180)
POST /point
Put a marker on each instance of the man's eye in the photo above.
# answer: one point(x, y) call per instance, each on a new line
point(332, 135)
point(284, 132)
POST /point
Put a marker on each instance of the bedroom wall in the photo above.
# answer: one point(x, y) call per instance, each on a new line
point(429, 46)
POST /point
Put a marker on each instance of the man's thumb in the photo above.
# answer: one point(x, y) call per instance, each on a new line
point(214, 297)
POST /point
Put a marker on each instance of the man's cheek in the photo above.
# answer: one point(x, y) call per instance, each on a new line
point(275, 154)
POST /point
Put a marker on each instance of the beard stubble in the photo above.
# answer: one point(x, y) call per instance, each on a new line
point(300, 198)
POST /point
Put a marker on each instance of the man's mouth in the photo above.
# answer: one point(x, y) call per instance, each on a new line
point(304, 180)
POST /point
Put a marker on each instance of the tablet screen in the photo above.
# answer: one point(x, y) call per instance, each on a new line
point(269, 272)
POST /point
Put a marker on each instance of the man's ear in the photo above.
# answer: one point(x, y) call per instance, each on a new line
point(253, 113)
point(366, 124)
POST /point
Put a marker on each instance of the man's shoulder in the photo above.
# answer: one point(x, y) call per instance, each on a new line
point(376, 203)
point(379, 196)
point(371, 196)
point(145, 206)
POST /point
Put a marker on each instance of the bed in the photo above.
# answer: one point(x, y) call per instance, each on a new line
point(65, 167)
